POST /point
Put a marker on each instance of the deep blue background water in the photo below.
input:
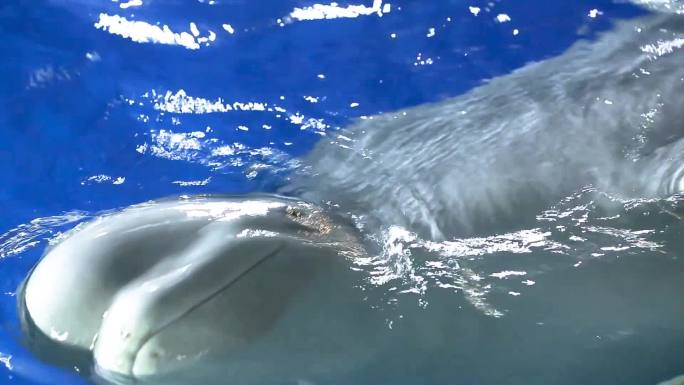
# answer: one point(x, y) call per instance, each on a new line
point(90, 116)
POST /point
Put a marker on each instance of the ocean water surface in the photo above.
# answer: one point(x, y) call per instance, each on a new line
point(519, 162)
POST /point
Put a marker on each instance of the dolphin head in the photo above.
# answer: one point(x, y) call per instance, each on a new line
point(164, 285)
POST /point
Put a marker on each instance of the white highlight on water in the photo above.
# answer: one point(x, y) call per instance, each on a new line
point(144, 32)
point(335, 11)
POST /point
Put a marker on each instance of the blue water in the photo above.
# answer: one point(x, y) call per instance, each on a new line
point(84, 128)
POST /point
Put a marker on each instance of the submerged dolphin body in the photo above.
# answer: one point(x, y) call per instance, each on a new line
point(607, 113)
point(675, 381)
point(163, 287)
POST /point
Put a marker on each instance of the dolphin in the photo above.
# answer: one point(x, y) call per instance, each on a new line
point(605, 113)
point(679, 380)
point(164, 287)
point(179, 278)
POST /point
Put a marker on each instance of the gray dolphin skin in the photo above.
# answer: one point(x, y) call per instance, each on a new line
point(161, 285)
point(679, 380)
point(605, 113)
point(189, 284)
